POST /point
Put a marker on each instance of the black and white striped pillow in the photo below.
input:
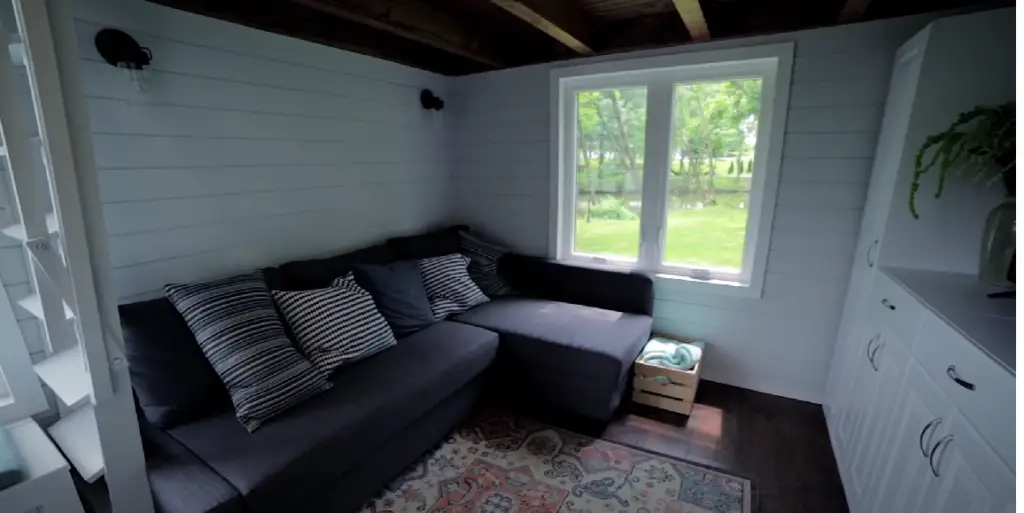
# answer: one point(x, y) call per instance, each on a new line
point(240, 333)
point(449, 287)
point(336, 325)
point(483, 264)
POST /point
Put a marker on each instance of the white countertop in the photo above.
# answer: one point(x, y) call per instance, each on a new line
point(960, 300)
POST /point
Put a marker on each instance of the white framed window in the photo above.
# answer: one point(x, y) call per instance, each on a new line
point(671, 164)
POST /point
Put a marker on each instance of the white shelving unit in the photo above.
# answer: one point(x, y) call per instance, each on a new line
point(54, 195)
point(47, 482)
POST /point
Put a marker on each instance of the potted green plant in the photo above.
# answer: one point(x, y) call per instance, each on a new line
point(982, 144)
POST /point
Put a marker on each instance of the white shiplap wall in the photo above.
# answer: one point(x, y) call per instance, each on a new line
point(782, 342)
point(248, 149)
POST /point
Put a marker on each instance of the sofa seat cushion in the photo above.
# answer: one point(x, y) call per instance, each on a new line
point(555, 346)
point(181, 482)
point(313, 444)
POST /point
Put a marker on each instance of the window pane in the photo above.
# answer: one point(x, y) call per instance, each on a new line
point(610, 128)
point(714, 135)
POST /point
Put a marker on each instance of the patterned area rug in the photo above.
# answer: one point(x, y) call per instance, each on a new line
point(503, 464)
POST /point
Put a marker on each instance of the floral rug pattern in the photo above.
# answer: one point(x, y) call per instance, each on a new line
point(505, 464)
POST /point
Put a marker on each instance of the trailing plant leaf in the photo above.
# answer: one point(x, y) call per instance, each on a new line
point(983, 136)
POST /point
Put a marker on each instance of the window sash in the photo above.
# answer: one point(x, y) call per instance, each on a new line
point(660, 75)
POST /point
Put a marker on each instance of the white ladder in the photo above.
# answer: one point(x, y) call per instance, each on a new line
point(59, 221)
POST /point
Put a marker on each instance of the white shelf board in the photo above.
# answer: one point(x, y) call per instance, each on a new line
point(65, 373)
point(34, 305)
point(17, 231)
point(37, 452)
point(960, 300)
point(78, 437)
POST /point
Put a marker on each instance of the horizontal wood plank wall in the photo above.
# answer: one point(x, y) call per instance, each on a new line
point(248, 149)
point(781, 343)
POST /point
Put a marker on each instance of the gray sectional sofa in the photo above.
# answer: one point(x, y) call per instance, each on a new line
point(568, 338)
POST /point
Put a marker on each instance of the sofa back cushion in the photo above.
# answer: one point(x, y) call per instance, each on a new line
point(173, 382)
point(444, 241)
point(397, 289)
point(320, 272)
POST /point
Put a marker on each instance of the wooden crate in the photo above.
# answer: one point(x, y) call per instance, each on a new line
point(665, 388)
point(665, 403)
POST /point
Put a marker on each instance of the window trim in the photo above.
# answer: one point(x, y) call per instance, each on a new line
point(772, 63)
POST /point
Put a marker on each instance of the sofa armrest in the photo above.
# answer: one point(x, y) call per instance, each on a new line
point(622, 291)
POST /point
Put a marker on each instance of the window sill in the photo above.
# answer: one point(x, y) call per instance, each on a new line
point(722, 287)
point(678, 282)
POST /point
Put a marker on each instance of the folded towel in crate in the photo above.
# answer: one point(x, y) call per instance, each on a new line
point(673, 354)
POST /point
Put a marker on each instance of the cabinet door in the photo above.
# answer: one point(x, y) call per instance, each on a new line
point(967, 474)
point(922, 417)
point(902, 88)
point(859, 392)
point(889, 359)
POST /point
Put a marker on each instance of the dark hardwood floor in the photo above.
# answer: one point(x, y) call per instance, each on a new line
point(781, 444)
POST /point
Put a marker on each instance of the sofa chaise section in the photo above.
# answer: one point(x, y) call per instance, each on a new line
point(571, 341)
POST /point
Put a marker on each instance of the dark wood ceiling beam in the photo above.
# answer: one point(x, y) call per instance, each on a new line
point(556, 18)
point(285, 18)
point(412, 19)
point(853, 10)
point(693, 18)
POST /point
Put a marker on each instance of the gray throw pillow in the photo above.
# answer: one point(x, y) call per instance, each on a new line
point(239, 331)
point(484, 256)
point(449, 287)
point(397, 289)
point(336, 325)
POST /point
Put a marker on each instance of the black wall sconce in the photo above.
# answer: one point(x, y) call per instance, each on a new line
point(124, 52)
point(431, 101)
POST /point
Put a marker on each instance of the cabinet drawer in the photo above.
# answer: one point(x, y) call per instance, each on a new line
point(893, 306)
point(985, 394)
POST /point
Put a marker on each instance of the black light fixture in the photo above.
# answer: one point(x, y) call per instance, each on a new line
point(122, 51)
point(431, 101)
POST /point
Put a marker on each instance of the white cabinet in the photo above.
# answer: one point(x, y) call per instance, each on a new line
point(903, 85)
point(937, 462)
point(908, 436)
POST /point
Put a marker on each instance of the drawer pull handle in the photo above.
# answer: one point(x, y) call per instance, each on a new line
point(887, 304)
point(871, 261)
point(953, 375)
point(932, 461)
point(934, 423)
point(870, 353)
point(871, 357)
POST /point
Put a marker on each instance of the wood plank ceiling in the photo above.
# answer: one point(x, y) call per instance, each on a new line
point(458, 37)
